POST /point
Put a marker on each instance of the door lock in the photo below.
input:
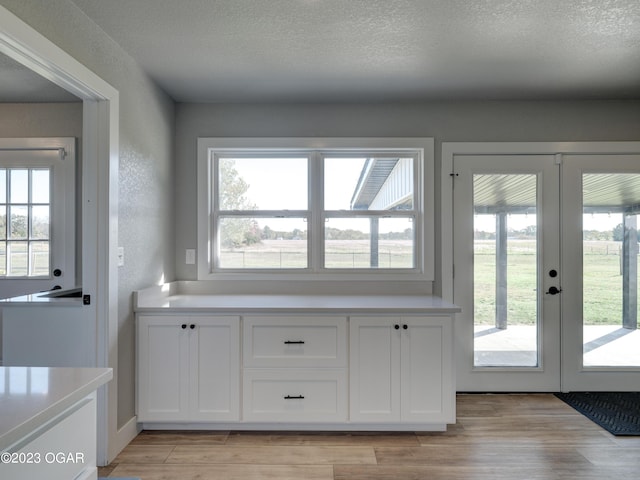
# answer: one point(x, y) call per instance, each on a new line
point(553, 291)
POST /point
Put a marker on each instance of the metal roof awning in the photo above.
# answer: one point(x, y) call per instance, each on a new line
point(516, 193)
point(384, 184)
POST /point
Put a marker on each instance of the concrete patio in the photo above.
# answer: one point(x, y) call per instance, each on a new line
point(604, 345)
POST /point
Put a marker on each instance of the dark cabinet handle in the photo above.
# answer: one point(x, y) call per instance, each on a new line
point(192, 326)
point(397, 327)
point(405, 326)
point(294, 342)
point(299, 397)
point(184, 326)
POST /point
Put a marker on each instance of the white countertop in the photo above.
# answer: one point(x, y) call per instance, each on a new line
point(47, 299)
point(297, 303)
point(31, 396)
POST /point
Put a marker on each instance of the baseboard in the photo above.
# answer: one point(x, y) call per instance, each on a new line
point(123, 437)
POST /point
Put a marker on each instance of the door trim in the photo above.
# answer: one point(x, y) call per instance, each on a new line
point(100, 156)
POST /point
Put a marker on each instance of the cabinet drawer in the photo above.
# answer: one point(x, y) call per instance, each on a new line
point(295, 342)
point(301, 395)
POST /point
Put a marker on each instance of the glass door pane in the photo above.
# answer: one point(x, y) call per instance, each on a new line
point(505, 260)
point(610, 207)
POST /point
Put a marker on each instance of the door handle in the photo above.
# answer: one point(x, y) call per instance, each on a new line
point(553, 291)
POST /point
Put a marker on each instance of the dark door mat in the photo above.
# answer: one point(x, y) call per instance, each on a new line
point(616, 412)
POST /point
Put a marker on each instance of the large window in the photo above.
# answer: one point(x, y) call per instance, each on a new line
point(353, 207)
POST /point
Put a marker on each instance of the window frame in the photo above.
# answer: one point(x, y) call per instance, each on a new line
point(316, 149)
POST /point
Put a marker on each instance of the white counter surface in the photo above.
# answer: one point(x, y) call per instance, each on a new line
point(295, 303)
point(53, 298)
point(31, 396)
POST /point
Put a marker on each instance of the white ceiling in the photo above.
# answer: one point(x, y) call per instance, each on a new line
point(379, 50)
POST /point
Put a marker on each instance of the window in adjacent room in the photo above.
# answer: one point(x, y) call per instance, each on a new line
point(37, 211)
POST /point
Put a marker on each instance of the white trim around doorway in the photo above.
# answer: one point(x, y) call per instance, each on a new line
point(100, 151)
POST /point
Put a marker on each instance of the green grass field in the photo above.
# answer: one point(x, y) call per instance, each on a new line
point(17, 260)
point(602, 282)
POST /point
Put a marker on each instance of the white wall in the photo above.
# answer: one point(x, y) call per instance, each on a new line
point(446, 121)
point(145, 223)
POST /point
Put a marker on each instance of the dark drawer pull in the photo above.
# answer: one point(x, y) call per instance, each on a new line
point(294, 342)
point(289, 397)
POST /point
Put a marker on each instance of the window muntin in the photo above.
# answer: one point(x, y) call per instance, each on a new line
point(326, 204)
point(25, 226)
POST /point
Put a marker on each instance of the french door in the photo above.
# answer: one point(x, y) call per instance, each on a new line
point(600, 207)
point(545, 253)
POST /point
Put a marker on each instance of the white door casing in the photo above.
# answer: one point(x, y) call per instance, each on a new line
point(100, 147)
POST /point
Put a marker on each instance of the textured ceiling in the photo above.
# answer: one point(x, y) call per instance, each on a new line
point(379, 50)
point(372, 50)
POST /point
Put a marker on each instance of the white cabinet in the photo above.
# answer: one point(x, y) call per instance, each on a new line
point(401, 370)
point(295, 369)
point(188, 368)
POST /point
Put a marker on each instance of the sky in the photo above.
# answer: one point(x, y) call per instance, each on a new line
point(276, 184)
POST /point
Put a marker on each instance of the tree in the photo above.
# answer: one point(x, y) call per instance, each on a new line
point(235, 232)
point(19, 225)
point(267, 233)
point(618, 233)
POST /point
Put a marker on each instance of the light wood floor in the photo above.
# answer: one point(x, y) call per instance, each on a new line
point(497, 437)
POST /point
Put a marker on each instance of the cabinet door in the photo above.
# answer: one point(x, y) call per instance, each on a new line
point(214, 368)
point(375, 369)
point(163, 379)
point(426, 364)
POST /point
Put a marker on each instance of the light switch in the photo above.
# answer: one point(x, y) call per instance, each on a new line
point(190, 256)
point(121, 256)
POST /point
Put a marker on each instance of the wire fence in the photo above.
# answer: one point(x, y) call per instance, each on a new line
point(298, 259)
